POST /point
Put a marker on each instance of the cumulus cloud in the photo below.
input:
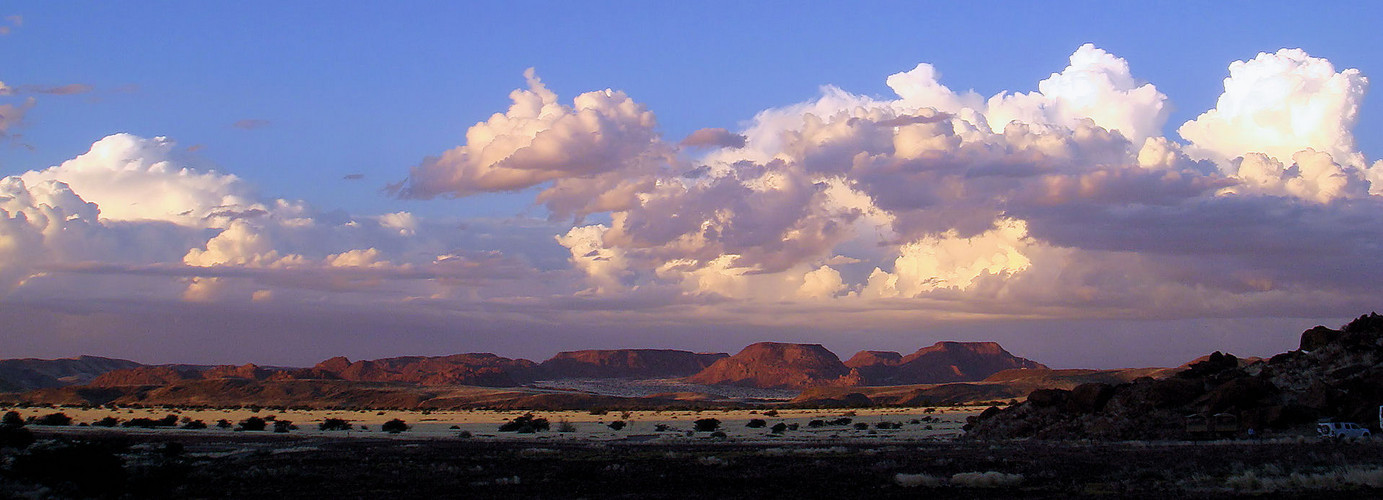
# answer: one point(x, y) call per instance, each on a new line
point(1097, 86)
point(1278, 104)
point(135, 178)
point(714, 137)
point(589, 148)
point(1061, 201)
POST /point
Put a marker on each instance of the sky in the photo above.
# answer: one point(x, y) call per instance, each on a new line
point(1091, 185)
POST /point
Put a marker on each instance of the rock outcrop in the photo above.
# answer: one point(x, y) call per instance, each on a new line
point(773, 365)
point(1338, 374)
point(941, 363)
point(627, 363)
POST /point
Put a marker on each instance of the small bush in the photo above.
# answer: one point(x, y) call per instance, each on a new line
point(252, 424)
point(816, 423)
point(54, 419)
point(861, 426)
point(771, 413)
point(778, 428)
point(616, 425)
point(107, 422)
point(194, 424)
point(757, 423)
point(565, 426)
point(718, 435)
point(394, 426)
point(661, 427)
point(334, 424)
point(223, 424)
point(282, 426)
point(12, 419)
point(706, 424)
point(526, 424)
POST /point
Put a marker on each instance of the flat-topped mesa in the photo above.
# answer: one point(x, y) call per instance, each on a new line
point(483, 369)
point(627, 363)
point(943, 362)
point(773, 365)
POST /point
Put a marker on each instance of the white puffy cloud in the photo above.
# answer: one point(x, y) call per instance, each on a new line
point(133, 178)
point(951, 261)
point(540, 140)
point(1098, 86)
point(1278, 104)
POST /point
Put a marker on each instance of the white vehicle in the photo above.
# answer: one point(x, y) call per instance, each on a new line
point(1340, 430)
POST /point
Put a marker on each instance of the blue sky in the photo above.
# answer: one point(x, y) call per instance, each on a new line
point(1145, 253)
point(372, 88)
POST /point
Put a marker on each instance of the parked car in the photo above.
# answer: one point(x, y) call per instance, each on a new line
point(1340, 430)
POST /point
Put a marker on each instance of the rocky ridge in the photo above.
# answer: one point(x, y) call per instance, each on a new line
point(1336, 374)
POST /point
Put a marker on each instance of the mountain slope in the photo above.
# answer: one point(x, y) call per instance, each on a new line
point(28, 373)
point(773, 365)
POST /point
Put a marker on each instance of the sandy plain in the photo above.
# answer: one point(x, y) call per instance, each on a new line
point(915, 424)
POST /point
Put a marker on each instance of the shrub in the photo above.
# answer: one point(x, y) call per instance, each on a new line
point(334, 424)
point(661, 427)
point(252, 424)
point(861, 426)
point(194, 424)
point(718, 435)
point(616, 425)
point(840, 421)
point(778, 428)
point(816, 423)
point(394, 426)
point(223, 424)
point(771, 413)
point(757, 423)
point(107, 422)
point(526, 424)
point(793, 426)
point(13, 436)
point(706, 425)
point(281, 426)
point(12, 419)
point(565, 426)
point(54, 419)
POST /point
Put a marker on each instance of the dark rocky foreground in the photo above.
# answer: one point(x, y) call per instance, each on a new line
point(271, 466)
